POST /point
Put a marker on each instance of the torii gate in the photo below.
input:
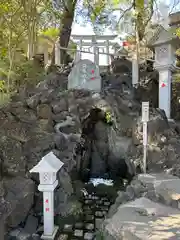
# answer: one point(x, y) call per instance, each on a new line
point(95, 42)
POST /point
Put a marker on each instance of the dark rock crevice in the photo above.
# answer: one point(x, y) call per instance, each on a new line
point(96, 157)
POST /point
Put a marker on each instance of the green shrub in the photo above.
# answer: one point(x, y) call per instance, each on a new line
point(27, 72)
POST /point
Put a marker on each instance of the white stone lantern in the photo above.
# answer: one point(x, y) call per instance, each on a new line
point(47, 169)
point(165, 44)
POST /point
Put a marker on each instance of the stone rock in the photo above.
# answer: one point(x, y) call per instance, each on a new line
point(44, 111)
point(119, 146)
point(130, 191)
point(121, 66)
point(12, 157)
point(41, 143)
point(60, 106)
point(61, 142)
point(122, 197)
point(143, 219)
point(163, 187)
point(65, 181)
point(155, 178)
point(20, 196)
point(78, 186)
point(151, 194)
point(156, 125)
point(68, 126)
point(169, 191)
point(22, 113)
point(35, 123)
point(63, 237)
point(2, 227)
point(20, 234)
point(33, 101)
point(45, 125)
point(31, 224)
point(160, 150)
point(15, 233)
point(35, 236)
point(138, 187)
point(78, 233)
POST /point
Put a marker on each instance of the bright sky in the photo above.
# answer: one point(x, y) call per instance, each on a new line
point(87, 30)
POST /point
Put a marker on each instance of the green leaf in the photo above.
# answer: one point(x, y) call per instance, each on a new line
point(178, 32)
point(115, 2)
point(51, 32)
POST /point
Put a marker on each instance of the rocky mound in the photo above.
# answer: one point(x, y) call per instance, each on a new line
point(49, 118)
point(148, 209)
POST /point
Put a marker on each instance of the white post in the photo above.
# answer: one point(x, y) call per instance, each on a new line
point(48, 209)
point(135, 71)
point(144, 146)
point(78, 53)
point(48, 198)
point(145, 119)
point(107, 51)
point(80, 47)
point(95, 50)
point(57, 53)
point(165, 76)
point(96, 56)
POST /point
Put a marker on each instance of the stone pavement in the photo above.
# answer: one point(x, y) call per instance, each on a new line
point(94, 212)
point(146, 219)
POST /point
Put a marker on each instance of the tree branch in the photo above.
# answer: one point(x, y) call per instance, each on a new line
point(125, 11)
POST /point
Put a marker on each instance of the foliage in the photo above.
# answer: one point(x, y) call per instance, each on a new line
point(100, 235)
point(51, 32)
point(20, 24)
point(27, 72)
point(178, 54)
point(76, 208)
point(21, 73)
point(178, 32)
point(144, 15)
point(2, 85)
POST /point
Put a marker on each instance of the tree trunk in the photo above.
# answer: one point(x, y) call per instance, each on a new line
point(66, 27)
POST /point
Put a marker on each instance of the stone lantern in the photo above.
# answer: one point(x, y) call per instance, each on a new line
point(47, 169)
point(165, 44)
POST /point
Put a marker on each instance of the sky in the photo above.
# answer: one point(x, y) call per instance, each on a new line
point(87, 30)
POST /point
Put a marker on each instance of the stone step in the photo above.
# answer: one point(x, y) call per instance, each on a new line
point(95, 209)
point(143, 219)
point(167, 187)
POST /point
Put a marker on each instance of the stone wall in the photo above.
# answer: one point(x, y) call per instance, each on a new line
point(48, 118)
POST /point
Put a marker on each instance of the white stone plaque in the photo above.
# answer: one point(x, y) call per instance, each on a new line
point(162, 55)
point(145, 111)
point(85, 75)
